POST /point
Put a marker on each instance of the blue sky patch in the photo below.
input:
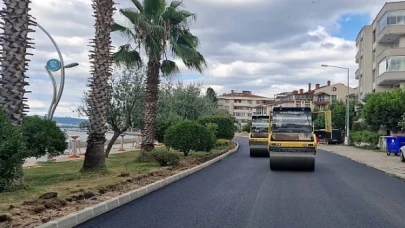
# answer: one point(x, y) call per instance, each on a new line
point(350, 25)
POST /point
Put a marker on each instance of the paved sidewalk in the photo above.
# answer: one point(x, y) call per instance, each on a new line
point(378, 160)
point(62, 158)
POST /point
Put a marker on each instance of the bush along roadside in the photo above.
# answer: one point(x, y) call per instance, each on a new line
point(365, 139)
point(58, 189)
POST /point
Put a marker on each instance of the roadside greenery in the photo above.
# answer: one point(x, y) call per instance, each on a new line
point(188, 135)
point(384, 109)
point(43, 136)
point(226, 128)
point(34, 138)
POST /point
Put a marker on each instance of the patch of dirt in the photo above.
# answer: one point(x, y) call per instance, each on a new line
point(36, 212)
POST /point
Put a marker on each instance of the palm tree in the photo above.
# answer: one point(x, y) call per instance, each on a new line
point(158, 27)
point(99, 97)
point(15, 42)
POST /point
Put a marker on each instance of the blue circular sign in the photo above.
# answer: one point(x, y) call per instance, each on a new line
point(53, 65)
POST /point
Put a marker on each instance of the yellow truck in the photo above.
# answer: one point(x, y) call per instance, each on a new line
point(258, 137)
point(292, 143)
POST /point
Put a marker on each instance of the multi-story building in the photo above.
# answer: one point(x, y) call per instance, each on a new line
point(318, 98)
point(328, 94)
point(381, 51)
point(243, 105)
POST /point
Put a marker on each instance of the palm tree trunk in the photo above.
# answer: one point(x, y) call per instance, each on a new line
point(151, 101)
point(15, 42)
point(99, 98)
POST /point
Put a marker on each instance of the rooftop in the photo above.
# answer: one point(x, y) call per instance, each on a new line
point(243, 94)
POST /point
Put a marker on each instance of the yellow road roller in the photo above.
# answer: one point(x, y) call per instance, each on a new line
point(292, 143)
point(258, 137)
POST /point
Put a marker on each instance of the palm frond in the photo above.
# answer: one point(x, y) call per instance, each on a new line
point(178, 17)
point(153, 8)
point(175, 4)
point(124, 31)
point(196, 62)
point(189, 55)
point(169, 68)
point(127, 56)
point(138, 5)
point(130, 14)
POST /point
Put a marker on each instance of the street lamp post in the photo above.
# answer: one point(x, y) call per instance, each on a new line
point(54, 65)
point(347, 102)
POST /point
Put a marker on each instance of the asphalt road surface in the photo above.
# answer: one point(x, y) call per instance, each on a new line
point(240, 191)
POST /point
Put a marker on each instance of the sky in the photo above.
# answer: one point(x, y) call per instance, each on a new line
point(264, 46)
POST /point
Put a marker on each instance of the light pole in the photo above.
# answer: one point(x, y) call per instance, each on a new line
point(347, 102)
point(54, 65)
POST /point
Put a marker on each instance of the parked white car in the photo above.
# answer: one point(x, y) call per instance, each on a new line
point(402, 153)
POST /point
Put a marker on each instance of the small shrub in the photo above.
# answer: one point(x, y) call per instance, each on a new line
point(43, 135)
point(223, 142)
point(365, 136)
point(226, 128)
point(188, 135)
point(166, 158)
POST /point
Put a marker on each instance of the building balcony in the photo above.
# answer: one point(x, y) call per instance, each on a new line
point(390, 78)
point(390, 52)
point(358, 73)
point(322, 102)
point(358, 55)
point(390, 33)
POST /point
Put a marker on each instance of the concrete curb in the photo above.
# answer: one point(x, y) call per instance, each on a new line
point(88, 213)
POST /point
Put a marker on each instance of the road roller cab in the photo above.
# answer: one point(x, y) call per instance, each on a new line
point(258, 137)
point(292, 143)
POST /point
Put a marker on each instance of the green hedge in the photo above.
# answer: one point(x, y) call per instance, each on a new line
point(365, 136)
point(188, 135)
point(226, 128)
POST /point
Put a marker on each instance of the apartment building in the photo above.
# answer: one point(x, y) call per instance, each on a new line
point(381, 51)
point(243, 105)
point(318, 98)
point(330, 93)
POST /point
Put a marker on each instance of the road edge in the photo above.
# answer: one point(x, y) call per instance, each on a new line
point(88, 213)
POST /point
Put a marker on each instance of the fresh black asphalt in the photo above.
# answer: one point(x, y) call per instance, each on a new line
point(240, 191)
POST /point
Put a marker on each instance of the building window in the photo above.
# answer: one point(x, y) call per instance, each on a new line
point(249, 102)
point(334, 98)
point(393, 63)
point(396, 17)
point(226, 101)
point(307, 105)
point(298, 105)
point(258, 102)
point(321, 97)
point(237, 101)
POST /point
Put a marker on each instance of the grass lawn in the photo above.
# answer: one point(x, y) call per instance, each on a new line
point(64, 177)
